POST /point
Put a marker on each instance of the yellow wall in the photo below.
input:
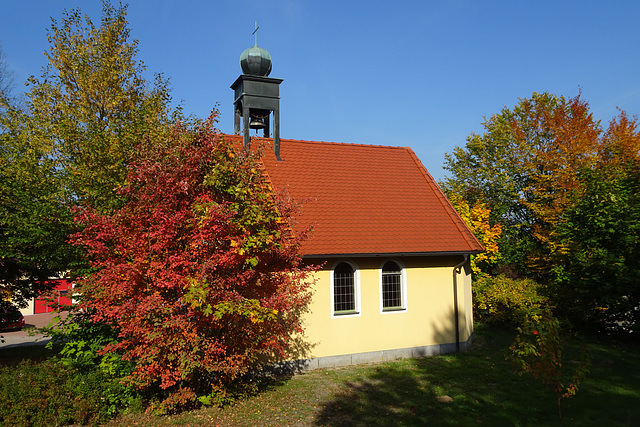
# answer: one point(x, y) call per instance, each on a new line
point(427, 320)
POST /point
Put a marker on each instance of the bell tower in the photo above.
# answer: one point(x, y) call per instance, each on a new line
point(257, 96)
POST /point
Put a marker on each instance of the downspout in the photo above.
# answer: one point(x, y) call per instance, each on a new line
point(456, 270)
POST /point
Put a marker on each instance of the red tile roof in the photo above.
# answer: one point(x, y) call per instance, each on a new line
point(366, 199)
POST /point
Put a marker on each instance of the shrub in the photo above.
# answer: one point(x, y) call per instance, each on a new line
point(49, 393)
point(82, 341)
point(501, 300)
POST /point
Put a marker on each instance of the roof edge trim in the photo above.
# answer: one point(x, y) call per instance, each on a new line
point(391, 254)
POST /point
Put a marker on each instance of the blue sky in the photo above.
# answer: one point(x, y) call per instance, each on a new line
point(413, 73)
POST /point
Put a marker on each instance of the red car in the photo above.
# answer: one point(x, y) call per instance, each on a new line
point(11, 319)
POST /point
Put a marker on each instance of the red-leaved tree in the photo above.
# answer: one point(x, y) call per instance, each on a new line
point(199, 271)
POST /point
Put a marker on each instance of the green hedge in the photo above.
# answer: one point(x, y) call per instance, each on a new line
point(47, 392)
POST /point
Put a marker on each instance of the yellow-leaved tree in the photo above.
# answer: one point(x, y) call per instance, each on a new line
point(81, 124)
point(477, 218)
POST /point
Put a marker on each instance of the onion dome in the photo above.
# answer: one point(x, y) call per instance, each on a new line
point(256, 61)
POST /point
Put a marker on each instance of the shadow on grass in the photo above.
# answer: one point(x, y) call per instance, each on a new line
point(480, 388)
point(610, 394)
point(14, 355)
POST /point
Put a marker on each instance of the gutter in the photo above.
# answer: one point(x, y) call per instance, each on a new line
point(456, 270)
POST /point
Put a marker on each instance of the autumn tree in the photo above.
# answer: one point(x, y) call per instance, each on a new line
point(566, 194)
point(514, 165)
point(199, 270)
point(92, 103)
point(71, 143)
point(571, 143)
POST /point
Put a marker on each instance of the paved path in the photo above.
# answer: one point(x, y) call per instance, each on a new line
point(22, 337)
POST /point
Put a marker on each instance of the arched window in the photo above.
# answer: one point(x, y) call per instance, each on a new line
point(392, 291)
point(344, 289)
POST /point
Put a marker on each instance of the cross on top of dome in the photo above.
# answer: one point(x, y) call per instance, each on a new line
point(256, 61)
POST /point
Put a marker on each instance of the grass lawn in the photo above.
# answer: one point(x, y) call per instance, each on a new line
point(481, 384)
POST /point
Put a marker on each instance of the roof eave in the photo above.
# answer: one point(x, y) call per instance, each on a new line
point(390, 254)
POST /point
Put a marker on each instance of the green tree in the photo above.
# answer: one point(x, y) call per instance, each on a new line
point(30, 214)
point(34, 223)
point(595, 279)
point(70, 144)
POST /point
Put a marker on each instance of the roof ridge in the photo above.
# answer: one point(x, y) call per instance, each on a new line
point(304, 141)
point(471, 239)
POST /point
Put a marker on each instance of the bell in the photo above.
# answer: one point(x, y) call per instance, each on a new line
point(256, 123)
